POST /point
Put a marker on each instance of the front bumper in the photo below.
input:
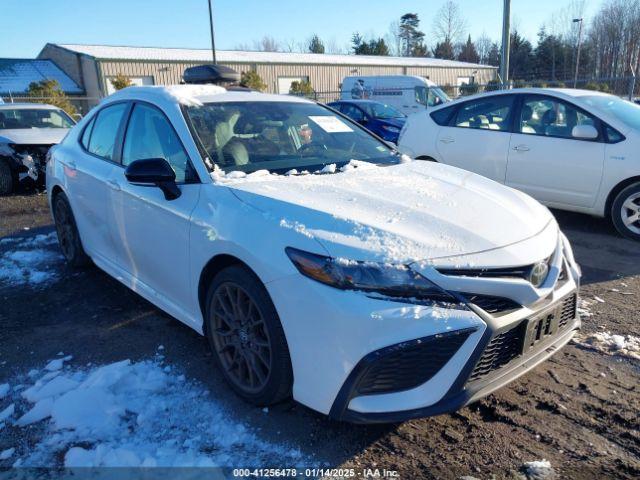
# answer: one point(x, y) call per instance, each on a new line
point(336, 336)
point(472, 383)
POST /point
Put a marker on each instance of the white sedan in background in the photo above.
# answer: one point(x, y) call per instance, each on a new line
point(322, 265)
point(575, 150)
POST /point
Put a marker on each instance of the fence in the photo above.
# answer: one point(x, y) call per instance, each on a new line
point(625, 87)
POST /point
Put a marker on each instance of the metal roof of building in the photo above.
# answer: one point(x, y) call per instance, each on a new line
point(106, 52)
point(17, 73)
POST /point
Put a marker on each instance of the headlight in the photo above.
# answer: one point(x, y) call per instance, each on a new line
point(385, 279)
point(391, 129)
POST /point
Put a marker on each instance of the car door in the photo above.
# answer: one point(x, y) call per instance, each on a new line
point(477, 137)
point(547, 161)
point(88, 176)
point(153, 232)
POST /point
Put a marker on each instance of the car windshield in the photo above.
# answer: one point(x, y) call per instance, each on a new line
point(281, 136)
point(627, 112)
point(23, 118)
point(382, 111)
point(431, 96)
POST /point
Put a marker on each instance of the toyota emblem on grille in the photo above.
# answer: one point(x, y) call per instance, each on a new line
point(538, 273)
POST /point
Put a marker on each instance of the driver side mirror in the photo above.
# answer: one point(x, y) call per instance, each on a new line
point(584, 132)
point(154, 172)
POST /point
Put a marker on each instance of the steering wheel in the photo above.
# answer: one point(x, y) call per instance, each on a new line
point(310, 148)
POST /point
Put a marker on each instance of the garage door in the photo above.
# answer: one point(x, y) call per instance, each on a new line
point(137, 81)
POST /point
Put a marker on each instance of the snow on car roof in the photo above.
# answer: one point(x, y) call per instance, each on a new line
point(111, 52)
point(193, 95)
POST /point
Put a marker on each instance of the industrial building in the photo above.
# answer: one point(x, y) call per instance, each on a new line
point(93, 66)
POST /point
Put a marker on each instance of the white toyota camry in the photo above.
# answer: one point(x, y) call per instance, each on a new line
point(320, 263)
point(570, 149)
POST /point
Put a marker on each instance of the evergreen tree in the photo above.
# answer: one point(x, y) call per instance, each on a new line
point(410, 36)
point(316, 45)
point(120, 81)
point(252, 80)
point(444, 50)
point(49, 91)
point(468, 52)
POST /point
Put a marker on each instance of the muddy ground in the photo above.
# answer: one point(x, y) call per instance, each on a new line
point(578, 410)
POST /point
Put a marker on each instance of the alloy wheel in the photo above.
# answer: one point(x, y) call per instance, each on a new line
point(630, 213)
point(65, 230)
point(240, 337)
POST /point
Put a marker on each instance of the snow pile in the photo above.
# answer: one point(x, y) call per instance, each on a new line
point(29, 261)
point(135, 414)
point(583, 308)
point(538, 470)
point(625, 345)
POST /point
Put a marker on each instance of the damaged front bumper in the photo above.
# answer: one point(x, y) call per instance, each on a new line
point(27, 162)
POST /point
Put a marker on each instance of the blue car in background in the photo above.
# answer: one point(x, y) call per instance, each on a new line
point(379, 118)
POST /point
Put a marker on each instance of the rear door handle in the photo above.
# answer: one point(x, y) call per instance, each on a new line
point(113, 185)
point(71, 164)
point(521, 148)
point(447, 140)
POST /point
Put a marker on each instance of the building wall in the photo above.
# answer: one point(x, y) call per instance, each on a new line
point(323, 78)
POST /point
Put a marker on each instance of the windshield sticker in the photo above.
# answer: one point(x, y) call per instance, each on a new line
point(330, 124)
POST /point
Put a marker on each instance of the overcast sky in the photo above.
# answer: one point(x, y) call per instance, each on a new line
point(28, 24)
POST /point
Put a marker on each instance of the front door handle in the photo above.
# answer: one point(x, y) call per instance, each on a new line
point(113, 185)
point(521, 148)
point(447, 140)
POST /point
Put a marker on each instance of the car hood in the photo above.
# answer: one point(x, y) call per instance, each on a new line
point(33, 136)
point(417, 211)
point(394, 122)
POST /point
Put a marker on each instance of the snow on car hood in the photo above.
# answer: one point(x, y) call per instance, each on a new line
point(33, 136)
point(416, 211)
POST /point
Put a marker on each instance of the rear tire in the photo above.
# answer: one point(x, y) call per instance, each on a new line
point(68, 235)
point(625, 212)
point(246, 336)
point(6, 178)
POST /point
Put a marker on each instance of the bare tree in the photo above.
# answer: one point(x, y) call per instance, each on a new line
point(267, 44)
point(449, 25)
point(483, 47)
point(394, 39)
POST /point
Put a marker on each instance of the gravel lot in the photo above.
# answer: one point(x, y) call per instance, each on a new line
point(578, 410)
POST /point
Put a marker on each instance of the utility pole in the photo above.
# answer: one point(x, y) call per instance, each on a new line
point(575, 80)
point(213, 42)
point(506, 43)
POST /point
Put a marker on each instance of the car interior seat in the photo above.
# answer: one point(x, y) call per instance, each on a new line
point(527, 114)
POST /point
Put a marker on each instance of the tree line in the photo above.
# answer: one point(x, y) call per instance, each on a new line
point(610, 42)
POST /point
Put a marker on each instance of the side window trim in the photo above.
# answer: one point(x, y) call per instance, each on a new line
point(120, 147)
point(117, 146)
point(598, 124)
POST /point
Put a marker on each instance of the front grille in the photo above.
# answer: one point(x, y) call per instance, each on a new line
point(491, 304)
point(409, 364)
point(502, 348)
point(568, 311)
point(508, 345)
point(516, 272)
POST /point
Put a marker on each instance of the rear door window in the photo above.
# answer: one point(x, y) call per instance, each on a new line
point(105, 131)
point(490, 113)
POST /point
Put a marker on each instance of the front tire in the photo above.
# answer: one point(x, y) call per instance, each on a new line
point(246, 336)
point(625, 212)
point(6, 178)
point(67, 230)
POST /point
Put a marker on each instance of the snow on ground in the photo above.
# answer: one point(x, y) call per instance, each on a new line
point(611, 344)
point(29, 261)
point(133, 414)
point(538, 470)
